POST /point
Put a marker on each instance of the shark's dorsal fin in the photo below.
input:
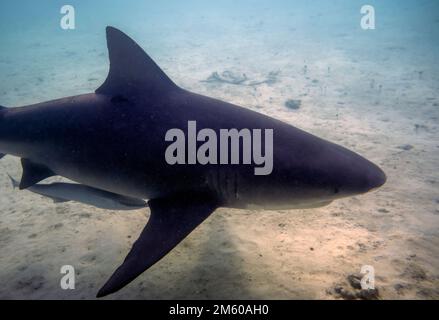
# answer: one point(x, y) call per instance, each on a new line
point(132, 71)
point(33, 173)
point(171, 220)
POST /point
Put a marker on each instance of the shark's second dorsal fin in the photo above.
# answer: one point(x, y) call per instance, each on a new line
point(33, 173)
point(132, 71)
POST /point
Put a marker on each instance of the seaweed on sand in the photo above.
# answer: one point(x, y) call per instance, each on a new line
point(231, 77)
point(227, 77)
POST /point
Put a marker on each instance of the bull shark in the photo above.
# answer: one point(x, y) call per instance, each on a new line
point(114, 140)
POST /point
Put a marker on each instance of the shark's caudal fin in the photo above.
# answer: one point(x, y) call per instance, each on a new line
point(132, 71)
point(2, 111)
point(171, 220)
point(33, 173)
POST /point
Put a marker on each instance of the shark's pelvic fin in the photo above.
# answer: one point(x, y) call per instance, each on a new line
point(171, 220)
point(33, 173)
point(132, 72)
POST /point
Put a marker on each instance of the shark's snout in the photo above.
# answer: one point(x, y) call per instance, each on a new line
point(347, 173)
point(364, 176)
point(375, 177)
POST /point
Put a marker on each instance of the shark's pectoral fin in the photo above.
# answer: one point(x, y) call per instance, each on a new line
point(33, 173)
point(132, 71)
point(171, 220)
point(2, 155)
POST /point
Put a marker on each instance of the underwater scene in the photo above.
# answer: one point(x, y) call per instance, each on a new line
point(85, 159)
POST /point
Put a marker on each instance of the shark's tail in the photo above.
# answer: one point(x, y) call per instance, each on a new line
point(2, 113)
point(13, 181)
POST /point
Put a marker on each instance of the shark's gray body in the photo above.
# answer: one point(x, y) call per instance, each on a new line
point(114, 140)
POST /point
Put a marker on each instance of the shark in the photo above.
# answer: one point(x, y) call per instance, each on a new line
point(113, 139)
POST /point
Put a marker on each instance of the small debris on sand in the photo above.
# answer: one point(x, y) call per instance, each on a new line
point(343, 293)
point(352, 290)
point(293, 104)
point(355, 280)
point(405, 147)
point(368, 294)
